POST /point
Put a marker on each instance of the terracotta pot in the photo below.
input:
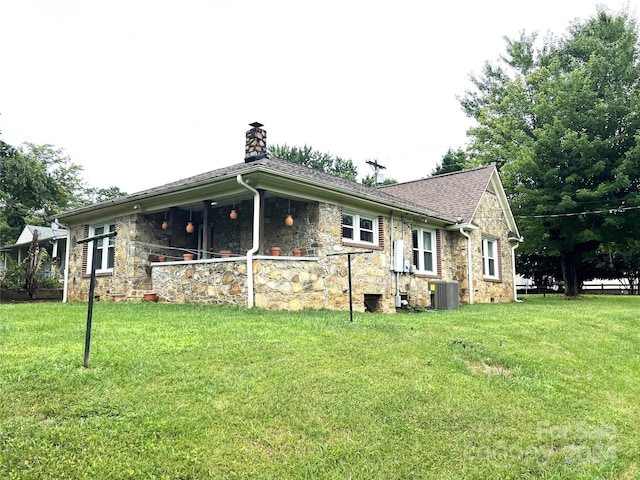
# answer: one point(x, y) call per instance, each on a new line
point(297, 252)
point(162, 258)
point(225, 253)
point(150, 297)
point(275, 251)
point(188, 256)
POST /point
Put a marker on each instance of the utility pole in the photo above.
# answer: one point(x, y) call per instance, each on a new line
point(376, 170)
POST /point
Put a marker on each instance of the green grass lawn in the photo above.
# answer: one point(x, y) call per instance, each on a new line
point(541, 389)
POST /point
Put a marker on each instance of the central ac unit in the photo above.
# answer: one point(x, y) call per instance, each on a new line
point(444, 294)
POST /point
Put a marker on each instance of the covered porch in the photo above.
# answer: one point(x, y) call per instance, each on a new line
point(261, 251)
point(269, 224)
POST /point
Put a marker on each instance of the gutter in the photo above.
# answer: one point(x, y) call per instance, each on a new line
point(513, 263)
point(461, 229)
point(469, 265)
point(256, 238)
point(67, 255)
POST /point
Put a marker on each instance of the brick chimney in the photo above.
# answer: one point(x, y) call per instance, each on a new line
point(256, 146)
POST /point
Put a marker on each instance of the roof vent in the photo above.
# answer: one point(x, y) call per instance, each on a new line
point(256, 144)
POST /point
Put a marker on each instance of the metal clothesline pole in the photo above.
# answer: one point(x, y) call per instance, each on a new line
point(348, 254)
point(92, 286)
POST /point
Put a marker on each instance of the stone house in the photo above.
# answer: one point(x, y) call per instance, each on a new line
point(209, 238)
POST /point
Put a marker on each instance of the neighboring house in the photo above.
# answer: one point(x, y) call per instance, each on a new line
point(53, 240)
point(456, 227)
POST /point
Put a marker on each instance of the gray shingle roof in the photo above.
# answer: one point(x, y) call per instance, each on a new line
point(455, 194)
point(44, 234)
point(279, 167)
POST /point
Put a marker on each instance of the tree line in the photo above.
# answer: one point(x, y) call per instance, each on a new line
point(38, 181)
point(559, 118)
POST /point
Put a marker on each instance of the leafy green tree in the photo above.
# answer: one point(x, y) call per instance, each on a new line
point(542, 269)
point(625, 260)
point(325, 162)
point(93, 195)
point(561, 123)
point(37, 181)
point(616, 260)
point(452, 161)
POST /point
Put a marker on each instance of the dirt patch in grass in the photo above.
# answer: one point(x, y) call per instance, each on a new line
point(481, 367)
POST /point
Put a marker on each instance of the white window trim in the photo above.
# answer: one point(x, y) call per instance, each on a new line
point(486, 258)
point(420, 249)
point(100, 268)
point(356, 228)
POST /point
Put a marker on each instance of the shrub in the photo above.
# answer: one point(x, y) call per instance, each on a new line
point(13, 276)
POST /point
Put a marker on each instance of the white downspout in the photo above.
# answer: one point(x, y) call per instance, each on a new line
point(513, 267)
point(256, 238)
point(392, 256)
point(67, 255)
point(469, 265)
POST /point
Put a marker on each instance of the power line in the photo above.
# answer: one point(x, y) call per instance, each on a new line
point(613, 211)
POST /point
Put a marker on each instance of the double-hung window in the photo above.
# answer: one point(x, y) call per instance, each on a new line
point(425, 251)
point(105, 253)
point(490, 258)
point(359, 228)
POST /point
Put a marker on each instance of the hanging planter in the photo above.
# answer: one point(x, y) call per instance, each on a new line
point(225, 253)
point(188, 256)
point(233, 214)
point(296, 252)
point(162, 258)
point(288, 220)
point(190, 227)
point(274, 251)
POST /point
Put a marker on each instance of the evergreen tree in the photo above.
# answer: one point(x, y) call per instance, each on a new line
point(452, 161)
point(561, 123)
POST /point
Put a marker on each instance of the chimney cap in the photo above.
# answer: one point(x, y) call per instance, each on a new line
point(256, 125)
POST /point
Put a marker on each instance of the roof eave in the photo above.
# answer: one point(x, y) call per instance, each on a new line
point(274, 180)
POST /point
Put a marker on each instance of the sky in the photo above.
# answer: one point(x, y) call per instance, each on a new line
point(145, 92)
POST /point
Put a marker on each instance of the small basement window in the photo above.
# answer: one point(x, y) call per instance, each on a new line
point(372, 302)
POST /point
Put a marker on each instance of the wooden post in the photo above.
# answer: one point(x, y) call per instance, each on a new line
point(206, 229)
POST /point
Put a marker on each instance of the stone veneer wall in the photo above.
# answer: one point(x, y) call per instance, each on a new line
point(288, 283)
point(218, 281)
point(453, 264)
point(131, 275)
point(318, 281)
point(306, 232)
point(77, 289)
point(490, 217)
